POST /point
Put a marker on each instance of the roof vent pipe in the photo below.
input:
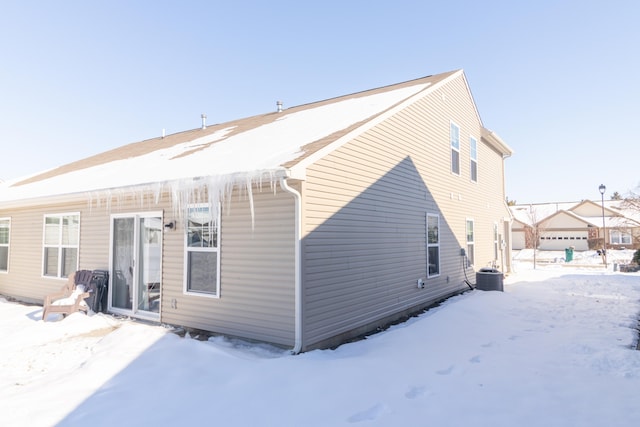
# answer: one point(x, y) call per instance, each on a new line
point(203, 116)
point(279, 105)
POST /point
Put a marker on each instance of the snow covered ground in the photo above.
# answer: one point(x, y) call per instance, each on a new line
point(580, 258)
point(557, 348)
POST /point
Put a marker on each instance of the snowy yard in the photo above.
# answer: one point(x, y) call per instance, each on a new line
point(557, 348)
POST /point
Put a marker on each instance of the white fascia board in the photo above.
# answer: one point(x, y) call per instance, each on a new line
point(496, 142)
point(90, 195)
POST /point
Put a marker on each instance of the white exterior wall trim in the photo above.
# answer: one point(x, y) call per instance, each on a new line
point(297, 348)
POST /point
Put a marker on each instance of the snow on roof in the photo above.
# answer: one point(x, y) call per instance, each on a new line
point(530, 214)
point(232, 150)
point(616, 215)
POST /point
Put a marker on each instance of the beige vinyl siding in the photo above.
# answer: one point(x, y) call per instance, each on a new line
point(24, 280)
point(365, 207)
point(459, 198)
point(590, 209)
point(257, 284)
point(257, 272)
point(95, 239)
point(257, 262)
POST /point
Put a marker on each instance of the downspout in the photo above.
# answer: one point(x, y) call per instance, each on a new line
point(297, 348)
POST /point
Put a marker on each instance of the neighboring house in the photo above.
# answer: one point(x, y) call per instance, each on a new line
point(578, 225)
point(304, 227)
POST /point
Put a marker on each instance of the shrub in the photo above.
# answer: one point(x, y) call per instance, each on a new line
point(636, 257)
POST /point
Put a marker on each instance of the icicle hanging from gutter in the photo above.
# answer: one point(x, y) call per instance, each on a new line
point(214, 191)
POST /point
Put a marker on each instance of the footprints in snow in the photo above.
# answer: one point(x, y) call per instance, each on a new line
point(379, 409)
point(475, 359)
point(446, 371)
point(453, 369)
point(415, 392)
point(370, 414)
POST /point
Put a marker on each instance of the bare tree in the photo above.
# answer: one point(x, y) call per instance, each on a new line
point(534, 231)
point(632, 203)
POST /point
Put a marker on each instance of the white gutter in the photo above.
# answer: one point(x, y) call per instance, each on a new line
point(151, 187)
point(297, 348)
point(496, 142)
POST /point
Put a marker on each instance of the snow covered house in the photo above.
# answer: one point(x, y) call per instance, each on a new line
point(576, 224)
point(303, 227)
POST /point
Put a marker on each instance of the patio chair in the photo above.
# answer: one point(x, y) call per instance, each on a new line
point(71, 297)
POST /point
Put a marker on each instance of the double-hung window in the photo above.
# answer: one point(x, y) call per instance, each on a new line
point(60, 244)
point(473, 144)
point(454, 136)
point(202, 255)
point(433, 245)
point(618, 237)
point(470, 243)
point(5, 232)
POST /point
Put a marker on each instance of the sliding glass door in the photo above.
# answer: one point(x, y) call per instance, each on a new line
point(136, 242)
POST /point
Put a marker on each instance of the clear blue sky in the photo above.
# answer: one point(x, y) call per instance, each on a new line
point(557, 80)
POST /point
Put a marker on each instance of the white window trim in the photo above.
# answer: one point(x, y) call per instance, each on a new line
point(58, 276)
point(7, 245)
point(472, 158)
point(451, 125)
point(136, 217)
point(470, 257)
point(187, 249)
point(433, 245)
point(619, 234)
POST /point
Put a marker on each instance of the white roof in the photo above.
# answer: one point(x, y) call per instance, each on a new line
point(223, 153)
point(528, 214)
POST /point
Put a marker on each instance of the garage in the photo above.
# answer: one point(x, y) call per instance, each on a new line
point(564, 239)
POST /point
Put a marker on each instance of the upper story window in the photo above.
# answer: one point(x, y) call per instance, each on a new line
point(60, 244)
point(5, 233)
point(473, 145)
point(433, 245)
point(202, 255)
point(454, 136)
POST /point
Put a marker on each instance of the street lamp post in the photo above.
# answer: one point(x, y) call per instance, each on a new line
point(602, 189)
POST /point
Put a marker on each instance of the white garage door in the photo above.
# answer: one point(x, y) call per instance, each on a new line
point(555, 241)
